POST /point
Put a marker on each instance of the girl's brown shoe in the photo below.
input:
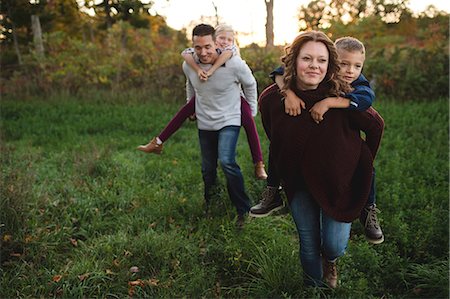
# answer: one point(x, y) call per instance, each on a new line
point(151, 147)
point(260, 172)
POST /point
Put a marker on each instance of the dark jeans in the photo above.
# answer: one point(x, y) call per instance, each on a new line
point(221, 145)
point(372, 195)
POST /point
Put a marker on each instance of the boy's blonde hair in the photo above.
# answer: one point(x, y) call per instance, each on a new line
point(223, 28)
point(350, 44)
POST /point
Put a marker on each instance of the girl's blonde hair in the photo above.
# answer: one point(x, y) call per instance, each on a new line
point(224, 28)
point(292, 51)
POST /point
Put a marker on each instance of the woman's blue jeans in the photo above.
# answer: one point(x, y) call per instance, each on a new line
point(319, 235)
point(221, 145)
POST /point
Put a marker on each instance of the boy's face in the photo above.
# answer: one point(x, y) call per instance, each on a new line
point(224, 39)
point(351, 64)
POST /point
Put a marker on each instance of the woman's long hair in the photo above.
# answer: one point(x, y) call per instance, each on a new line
point(289, 60)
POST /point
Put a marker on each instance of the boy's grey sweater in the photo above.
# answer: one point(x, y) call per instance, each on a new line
point(218, 100)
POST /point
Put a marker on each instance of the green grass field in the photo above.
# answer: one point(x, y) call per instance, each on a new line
point(80, 207)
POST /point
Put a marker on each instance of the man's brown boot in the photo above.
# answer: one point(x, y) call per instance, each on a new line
point(151, 147)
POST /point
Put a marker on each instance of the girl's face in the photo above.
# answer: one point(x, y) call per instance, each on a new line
point(312, 65)
point(225, 39)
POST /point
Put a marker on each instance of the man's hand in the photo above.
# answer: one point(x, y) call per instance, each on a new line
point(318, 110)
point(293, 105)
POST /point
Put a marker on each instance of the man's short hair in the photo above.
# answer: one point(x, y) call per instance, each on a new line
point(203, 30)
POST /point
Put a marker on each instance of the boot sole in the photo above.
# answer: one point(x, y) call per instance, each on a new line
point(375, 241)
point(265, 214)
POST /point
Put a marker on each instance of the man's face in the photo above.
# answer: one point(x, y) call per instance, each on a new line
point(205, 48)
point(351, 65)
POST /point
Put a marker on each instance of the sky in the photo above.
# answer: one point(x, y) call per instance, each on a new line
point(248, 17)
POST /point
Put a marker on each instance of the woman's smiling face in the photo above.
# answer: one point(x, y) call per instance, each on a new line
point(312, 65)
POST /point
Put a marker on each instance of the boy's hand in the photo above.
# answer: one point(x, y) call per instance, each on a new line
point(202, 75)
point(293, 105)
point(318, 110)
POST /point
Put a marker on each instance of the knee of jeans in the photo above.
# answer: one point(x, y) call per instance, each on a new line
point(227, 164)
point(334, 251)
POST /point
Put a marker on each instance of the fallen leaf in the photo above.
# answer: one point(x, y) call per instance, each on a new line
point(7, 238)
point(28, 239)
point(134, 283)
point(153, 282)
point(83, 276)
point(56, 278)
point(152, 225)
point(74, 242)
point(116, 262)
point(109, 272)
point(127, 253)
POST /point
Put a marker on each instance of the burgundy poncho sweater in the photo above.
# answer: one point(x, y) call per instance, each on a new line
point(329, 159)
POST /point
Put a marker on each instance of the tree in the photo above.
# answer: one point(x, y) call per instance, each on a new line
point(313, 16)
point(319, 14)
point(269, 24)
point(132, 11)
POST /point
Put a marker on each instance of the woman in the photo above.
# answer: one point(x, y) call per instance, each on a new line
point(325, 168)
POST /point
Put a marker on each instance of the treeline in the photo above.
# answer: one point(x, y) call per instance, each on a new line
point(406, 59)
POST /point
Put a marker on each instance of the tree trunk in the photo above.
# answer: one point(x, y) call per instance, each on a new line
point(217, 14)
point(16, 44)
point(108, 14)
point(37, 35)
point(269, 24)
point(15, 40)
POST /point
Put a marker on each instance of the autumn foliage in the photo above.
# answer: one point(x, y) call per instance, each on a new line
point(405, 60)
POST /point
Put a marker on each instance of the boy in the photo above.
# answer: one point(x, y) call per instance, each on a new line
point(352, 55)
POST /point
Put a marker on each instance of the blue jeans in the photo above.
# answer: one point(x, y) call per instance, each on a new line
point(372, 195)
point(221, 145)
point(319, 235)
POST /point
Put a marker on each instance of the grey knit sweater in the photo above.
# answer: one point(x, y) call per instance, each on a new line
point(218, 100)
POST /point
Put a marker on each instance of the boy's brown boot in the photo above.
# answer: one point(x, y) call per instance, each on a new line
point(151, 147)
point(372, 227)
point(270, 202)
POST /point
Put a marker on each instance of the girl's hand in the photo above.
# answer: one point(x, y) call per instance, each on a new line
point(202, 75)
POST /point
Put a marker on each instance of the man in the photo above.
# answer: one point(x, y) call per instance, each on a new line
point(218, 111)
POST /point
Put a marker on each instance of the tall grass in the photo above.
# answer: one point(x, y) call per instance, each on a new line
point(80, 207)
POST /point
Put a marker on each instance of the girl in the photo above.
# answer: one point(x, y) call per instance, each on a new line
point(224, 38)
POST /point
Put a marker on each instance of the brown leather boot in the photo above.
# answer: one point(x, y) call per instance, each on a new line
point(330, 275)
point(260, 172)
point(151, 147)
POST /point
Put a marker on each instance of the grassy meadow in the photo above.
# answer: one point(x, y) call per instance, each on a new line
point(85, 215)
